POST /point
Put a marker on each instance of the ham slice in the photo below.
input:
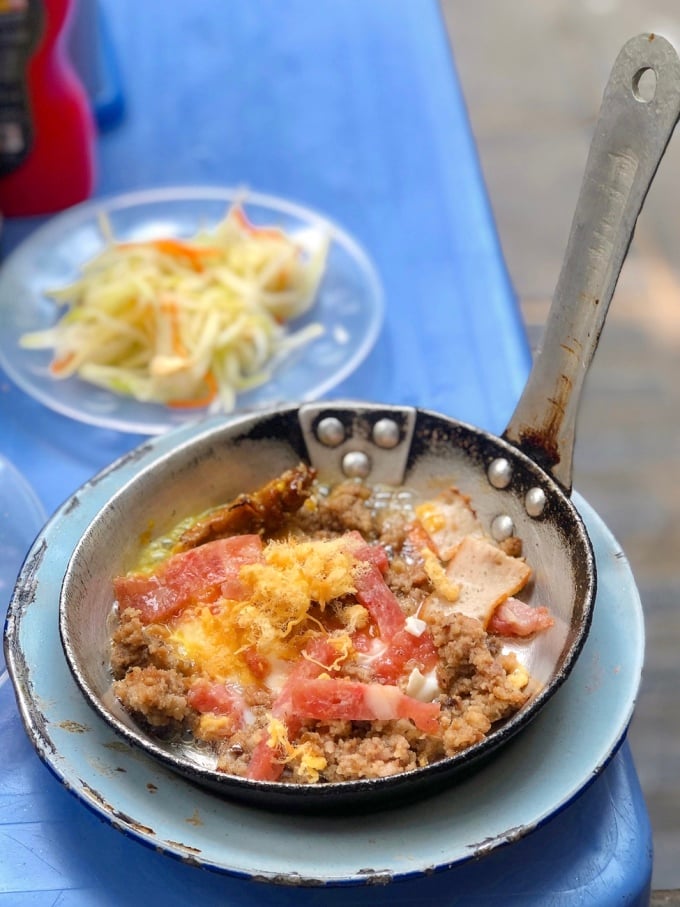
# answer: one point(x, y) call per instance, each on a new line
point(266, 762)
point(515, 618)
point(210, 696)
point(485, 576)
point(331, 699)
point(379, 600)
point(403, 650)
point(447, 520)
point(403, 653)
point(199, 575)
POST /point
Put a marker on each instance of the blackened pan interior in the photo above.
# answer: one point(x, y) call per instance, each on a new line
point(218, 461)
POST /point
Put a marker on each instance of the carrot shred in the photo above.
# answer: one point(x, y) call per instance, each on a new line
point(178, 248)
point(245, 224)
point(171, 309)
point(205, 400)
point(58, 366)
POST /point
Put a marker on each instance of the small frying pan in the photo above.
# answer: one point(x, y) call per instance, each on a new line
point(519, 483)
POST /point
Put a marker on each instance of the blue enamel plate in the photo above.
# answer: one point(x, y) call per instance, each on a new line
point(546, 767)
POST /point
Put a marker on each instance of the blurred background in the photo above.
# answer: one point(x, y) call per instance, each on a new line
point(533, 72)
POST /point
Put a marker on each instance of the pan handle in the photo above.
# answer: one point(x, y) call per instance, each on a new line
point(640, 108)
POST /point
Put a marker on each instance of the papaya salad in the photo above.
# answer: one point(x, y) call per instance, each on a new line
point(306, 633)
point(186, 322)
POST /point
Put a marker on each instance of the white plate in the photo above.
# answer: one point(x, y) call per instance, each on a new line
point(543, 770)
point(349, 304)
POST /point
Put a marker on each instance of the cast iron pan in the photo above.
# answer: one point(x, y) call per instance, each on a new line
point(519, 483)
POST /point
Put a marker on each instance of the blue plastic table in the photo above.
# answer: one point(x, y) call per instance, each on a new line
point(354, 109)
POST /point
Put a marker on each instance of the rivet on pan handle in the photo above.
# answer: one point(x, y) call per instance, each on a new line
point(630, 138)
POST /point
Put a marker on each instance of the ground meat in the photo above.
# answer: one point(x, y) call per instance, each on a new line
point(345, 509)
point(354, 750)
point(134, 644)
point(152, 682)
point(458, 639)
point(407, 579)
point(477, 687)
point(157, 695)
point(333, 511)
point(375, 756)
point(233, 755)
point(392, 527)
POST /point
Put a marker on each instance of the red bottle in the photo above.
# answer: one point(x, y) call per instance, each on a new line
point(46, 124)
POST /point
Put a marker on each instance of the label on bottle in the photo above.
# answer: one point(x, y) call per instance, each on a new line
point(20, 28)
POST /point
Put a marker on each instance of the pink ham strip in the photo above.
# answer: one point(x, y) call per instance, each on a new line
point(403, 649)
point(374, 593)
point(200, 574)
point(515, 618)
point(403, 653)
point(266, 763)
point(330, 699)
point(213, 696)
point(210, 696)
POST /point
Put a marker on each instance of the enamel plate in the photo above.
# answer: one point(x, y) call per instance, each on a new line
point(545, 768)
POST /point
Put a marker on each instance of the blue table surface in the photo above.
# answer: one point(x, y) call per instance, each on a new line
point(354, 109)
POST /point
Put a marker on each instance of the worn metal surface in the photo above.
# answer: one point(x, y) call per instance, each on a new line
point(630, 137)
point(220, 460)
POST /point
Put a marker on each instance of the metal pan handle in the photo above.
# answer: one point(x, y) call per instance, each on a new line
point(639, 111)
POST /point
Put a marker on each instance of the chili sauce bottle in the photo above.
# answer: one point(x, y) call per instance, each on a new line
point(46, 124)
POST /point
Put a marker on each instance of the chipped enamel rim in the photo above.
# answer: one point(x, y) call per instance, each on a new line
point(160, 809)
